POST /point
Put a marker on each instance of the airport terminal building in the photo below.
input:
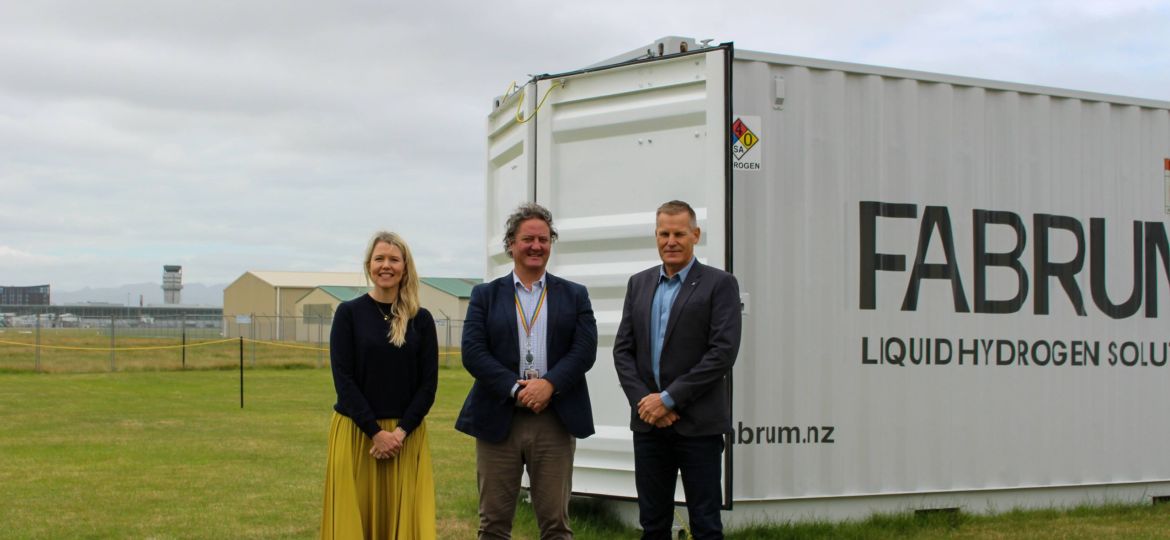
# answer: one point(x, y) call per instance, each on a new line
point(36, 295)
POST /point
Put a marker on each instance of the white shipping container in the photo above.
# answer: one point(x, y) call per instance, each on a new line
point(955, 290)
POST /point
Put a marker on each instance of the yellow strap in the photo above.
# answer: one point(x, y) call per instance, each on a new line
point(520, 102)
point(279, 344)
point(149, 348)
point(524, 317)
point(159, 347)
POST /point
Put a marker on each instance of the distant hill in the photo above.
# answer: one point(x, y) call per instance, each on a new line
point(193, 294)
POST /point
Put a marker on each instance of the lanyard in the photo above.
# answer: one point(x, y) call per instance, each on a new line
point(524, 320)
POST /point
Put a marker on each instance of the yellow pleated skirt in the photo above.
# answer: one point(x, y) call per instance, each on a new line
point(367, 498)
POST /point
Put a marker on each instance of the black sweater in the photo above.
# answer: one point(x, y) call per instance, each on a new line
point(375, 379)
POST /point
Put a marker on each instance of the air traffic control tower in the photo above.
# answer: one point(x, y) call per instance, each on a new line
point(172, 283)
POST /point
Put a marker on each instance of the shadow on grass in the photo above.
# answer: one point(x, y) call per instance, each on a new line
point(593, 519)
point(589, 518)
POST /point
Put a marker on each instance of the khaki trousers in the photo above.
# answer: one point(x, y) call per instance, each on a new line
point(540, 443)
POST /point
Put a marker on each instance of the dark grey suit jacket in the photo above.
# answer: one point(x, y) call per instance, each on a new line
point(701, 343)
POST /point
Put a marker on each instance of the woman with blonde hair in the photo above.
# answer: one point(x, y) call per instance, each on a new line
point(385, 358)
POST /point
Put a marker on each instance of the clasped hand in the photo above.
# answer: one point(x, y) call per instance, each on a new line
point(534, 393)
point(387, 444)
point(653, 411)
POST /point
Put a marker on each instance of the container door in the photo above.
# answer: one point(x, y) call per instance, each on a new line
point(511, 176)
point(613, 144)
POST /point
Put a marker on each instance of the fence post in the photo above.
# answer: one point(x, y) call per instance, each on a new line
point(320, 342)
point(183, 327)
point(447, 352)
point(241, 372)
point(253, 340)
point(112, 343)
point(38, 342)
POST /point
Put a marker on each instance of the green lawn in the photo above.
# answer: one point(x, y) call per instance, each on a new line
point(170, 454)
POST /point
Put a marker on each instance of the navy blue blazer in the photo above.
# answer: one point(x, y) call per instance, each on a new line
point(491, 353)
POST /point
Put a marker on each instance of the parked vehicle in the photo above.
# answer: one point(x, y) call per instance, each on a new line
point(68, 320)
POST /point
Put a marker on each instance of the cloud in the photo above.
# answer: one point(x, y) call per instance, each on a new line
point(228, 136)
point(13, 256)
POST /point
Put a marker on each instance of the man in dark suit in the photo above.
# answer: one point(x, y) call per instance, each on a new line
point(528, 339)
point(676, 343)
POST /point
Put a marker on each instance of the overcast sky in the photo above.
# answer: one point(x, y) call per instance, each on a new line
point(228, 136)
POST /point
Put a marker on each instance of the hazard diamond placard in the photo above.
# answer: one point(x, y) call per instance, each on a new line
point(745, 135)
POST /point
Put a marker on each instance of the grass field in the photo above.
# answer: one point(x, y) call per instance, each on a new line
point(170, 454)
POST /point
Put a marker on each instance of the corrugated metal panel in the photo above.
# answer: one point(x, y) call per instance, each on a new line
point(954, 80)
point(613, 145)
point(342, 294)
point(457, 287)
point(310, 279)
point(839, 138)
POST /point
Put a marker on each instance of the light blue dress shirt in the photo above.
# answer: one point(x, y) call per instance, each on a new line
point(664, 296)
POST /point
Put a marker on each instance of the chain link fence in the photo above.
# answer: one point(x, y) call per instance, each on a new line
point(53, 343)
point(315, 330)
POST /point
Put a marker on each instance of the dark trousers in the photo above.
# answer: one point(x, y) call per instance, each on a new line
point(658, 457)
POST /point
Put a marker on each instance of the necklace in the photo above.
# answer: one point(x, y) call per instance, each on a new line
point(385, 316)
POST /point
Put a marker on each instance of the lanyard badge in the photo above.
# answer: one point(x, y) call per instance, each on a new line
point(530, 371)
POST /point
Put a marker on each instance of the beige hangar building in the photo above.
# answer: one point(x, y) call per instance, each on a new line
point(299, 306)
